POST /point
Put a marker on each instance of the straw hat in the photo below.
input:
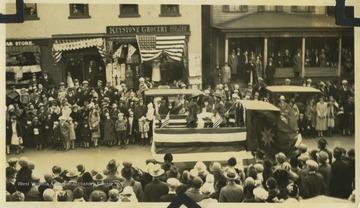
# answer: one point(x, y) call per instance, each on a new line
point(156, 171)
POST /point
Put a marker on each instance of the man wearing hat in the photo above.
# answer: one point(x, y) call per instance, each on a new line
point(324, 169)
point(72, 175)
point(194, 192)
point(112, 172)
point(260, 88)
point(232, 192)
point(313, 184)
point(12, 164)
point(343, 93)
point(340, 182)
point(156, 188)
point(173, 183)
point(322, 145)
point(127, 172)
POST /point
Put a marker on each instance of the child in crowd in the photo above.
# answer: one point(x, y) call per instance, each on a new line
point(86, 133)
point(120, 128)
point(72, 135)
point(144, 129)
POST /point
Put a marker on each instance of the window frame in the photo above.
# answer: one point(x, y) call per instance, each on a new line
point(31, 17)
point(242, 8)
point(122, 15)
point(80, 15)
point(310, 9)
point(169, 14)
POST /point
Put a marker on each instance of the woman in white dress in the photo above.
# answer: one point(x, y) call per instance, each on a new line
point(156, 74)
point(321, 113)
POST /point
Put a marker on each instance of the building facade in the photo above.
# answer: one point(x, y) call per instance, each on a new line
point(240, 34)
point(85, 40)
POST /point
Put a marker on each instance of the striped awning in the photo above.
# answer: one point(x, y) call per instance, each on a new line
point(74, 44)
point(151, 46)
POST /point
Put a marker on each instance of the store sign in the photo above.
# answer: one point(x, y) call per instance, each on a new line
point(147, 29)
point(19, 43)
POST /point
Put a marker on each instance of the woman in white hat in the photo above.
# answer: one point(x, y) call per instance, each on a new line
point(284, 107)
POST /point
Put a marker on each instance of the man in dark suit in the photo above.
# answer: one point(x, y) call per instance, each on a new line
point(173, 183)
point(156, 188)
point(340, 183)
point(313, 184)
point(233, 63)
point(270, 72)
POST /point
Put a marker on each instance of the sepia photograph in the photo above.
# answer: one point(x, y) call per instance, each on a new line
point(179, 105)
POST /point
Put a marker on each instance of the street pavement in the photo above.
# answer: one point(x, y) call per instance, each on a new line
point(97, 158)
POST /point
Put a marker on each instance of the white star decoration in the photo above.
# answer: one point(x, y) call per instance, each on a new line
point(267, 137)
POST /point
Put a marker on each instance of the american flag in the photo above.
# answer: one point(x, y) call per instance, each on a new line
point(118, 52)
point(131, 51)
point(151, 46)
point(218, 122)
point(166, 121)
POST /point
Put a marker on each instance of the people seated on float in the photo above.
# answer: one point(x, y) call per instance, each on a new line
point(217, 115)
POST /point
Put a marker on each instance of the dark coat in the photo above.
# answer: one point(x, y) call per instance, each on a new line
point(168, 198)
point(23, 180)
point(154, 190)
point(313, 185)
point(109, 130)
point(340, 183)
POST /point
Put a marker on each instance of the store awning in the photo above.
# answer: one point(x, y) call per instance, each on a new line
point(74, 44)
point(280, 21)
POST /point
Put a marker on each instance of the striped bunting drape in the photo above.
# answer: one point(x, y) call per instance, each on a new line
point(151, 46)
point(72, 44)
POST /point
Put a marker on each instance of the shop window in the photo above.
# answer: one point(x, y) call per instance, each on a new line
point(261, 8)
point(279, 8)
point(321, 52)
point(30, 12)
point(266, 8)
point(79, 11)
point(170, 11)
point(129, 10)
point(303, 9)
point(235, 8)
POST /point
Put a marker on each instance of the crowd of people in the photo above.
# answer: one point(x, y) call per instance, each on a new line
point(273, 180)
point(66, 118)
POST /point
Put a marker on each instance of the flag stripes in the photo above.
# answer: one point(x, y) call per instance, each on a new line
point(218, 122)
point(166, 121)
point(152, 46)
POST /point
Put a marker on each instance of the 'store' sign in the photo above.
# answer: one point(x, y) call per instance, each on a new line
point(148, 29)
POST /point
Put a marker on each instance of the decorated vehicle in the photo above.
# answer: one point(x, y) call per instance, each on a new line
point(262, 128)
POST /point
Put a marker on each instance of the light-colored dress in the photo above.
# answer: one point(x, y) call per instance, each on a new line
point(72, 135)
point(331, 116)
point(156, 74)
point(14, 136)
point(321, 112)
point(94, 121)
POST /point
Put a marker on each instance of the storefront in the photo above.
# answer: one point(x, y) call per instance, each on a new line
point(24, 58)
point(280, 35)
point(81, 58)
point(156, 52)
